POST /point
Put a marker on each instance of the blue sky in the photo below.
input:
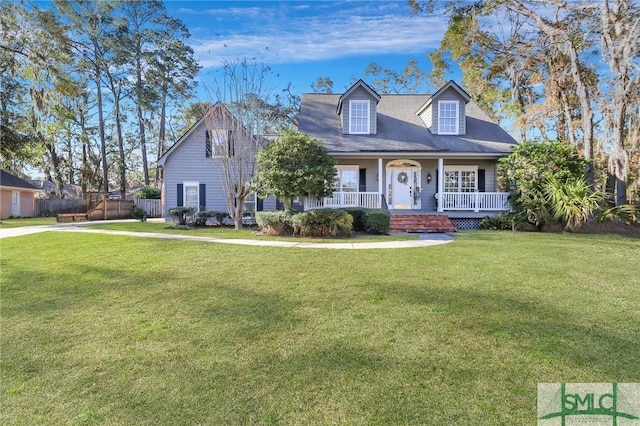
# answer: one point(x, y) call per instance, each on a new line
point(302, 40)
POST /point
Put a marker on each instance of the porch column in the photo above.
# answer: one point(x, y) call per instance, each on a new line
point(380, 176)
point(440, 184)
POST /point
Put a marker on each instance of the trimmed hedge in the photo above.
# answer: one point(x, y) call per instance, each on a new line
point(370, 221)
point(275, 223)
point(359, 219)
point(377, 222)
point(180, 215)
point(323, 223)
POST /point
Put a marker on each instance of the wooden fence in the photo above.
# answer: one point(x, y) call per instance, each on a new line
point(111, 209)
point(153, 208)
point(54, 207)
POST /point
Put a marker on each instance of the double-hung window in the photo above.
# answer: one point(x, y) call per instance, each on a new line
point(460, 178)
point(347, 178)
point(448, 123)
point(359, 117)
point(219, 143)
point(191, 195)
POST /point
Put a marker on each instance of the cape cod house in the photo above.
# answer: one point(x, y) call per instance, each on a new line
point(419, 154)
point(425, 156)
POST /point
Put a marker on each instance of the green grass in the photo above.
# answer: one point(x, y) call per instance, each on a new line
point(30, 221)
point(245, 233)
point(103, 329)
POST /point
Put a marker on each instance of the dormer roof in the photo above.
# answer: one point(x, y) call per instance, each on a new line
point(362, 84)
point(450, 85)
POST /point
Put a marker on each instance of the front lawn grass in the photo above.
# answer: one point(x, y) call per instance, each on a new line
point(28, 221)
point(247, 233)
point(103, 329)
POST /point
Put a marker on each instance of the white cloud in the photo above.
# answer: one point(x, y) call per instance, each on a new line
point(338, 35)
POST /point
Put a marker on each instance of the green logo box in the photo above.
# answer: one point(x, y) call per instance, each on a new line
point(589, 404)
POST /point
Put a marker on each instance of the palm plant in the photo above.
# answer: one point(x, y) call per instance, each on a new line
point(571, 201)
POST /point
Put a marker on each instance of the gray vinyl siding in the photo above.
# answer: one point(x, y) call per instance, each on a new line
point(427, 116)
point(359, 94)
point(188, 163)
point(450, 95)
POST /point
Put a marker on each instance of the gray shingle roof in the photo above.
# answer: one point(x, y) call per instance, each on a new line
point(7, 179)
point(399, 128)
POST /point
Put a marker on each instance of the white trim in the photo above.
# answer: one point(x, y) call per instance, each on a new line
point(457, 117)
point(352, 103)
point(15, 203)
point(415, 177)
point(347, 168)
point(462, 168)
point(419, 154)
point(186, 184)
point(380, 176)
point(219, 143)
point(440, 189)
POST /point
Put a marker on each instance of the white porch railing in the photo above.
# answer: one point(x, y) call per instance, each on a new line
point(367, 200)
point(470, 201)
point(474, 201)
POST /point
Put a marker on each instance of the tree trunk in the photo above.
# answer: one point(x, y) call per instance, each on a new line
point(237, 220)
point(559, 33)
point(103, 143)
point(123, 163)
point(162, 131)
point(141, 130)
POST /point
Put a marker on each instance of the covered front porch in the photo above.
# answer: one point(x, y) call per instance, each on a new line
point(422, 185)
point(450, 201)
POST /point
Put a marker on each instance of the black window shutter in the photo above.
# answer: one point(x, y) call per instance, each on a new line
point(231, 145)
point(437, 180)
point(363, 180)
point(481, 180)
point(260, 205)
point(180, 196)
point(208, 147)
point(203, 196)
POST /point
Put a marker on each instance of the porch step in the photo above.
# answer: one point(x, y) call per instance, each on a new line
point(420, 223)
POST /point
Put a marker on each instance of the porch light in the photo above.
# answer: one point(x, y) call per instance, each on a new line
point(429, 177)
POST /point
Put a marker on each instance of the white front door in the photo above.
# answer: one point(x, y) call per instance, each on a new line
point(15, 203)
point(402, 188)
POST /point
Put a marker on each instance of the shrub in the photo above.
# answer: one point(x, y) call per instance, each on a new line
point(377, 221)
point(148, 193)
point(219, 216)
point(526, 170)
point(502, 222)
point(180, 215)
point(275, 223)
point(138, 213)
point(627, 213)
point(202, 216)
point(359, 219)
point(323, 223)
point(572, 201)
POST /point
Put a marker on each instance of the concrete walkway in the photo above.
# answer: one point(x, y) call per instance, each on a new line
point(424, 240)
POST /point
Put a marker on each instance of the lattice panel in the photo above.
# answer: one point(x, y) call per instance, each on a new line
point(466, 223)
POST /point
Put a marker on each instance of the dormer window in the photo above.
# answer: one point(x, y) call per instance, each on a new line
point(359, 117)
point(448, 120)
